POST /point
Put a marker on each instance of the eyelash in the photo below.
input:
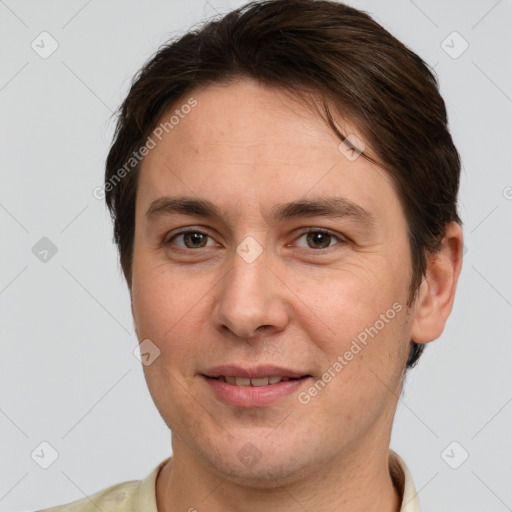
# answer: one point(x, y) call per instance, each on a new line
point(341, 240)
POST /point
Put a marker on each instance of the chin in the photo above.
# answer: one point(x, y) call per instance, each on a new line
point(264, 475)
point(273, 465)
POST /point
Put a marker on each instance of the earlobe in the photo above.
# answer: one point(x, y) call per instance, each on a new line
point(437, 291)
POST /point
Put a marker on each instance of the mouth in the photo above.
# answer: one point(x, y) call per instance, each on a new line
point(260, 386)
point(257, 382)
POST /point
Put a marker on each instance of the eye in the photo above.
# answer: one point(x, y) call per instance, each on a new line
point(315, 238)
point(320, 239)
point(192, 239)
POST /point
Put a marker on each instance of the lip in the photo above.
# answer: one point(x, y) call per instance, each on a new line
point(253, 396)
point(255, 372)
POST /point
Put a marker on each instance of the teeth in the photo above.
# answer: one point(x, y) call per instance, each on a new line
point(260, 382)
point(244, 381)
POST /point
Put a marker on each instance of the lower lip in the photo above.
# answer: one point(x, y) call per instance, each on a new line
point(254, 396)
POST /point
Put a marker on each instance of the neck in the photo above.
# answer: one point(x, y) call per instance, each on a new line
point(351, 482)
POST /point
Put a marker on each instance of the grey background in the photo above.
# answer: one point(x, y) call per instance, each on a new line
point(67, 372)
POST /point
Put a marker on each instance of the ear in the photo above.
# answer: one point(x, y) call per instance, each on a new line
point(437, 291)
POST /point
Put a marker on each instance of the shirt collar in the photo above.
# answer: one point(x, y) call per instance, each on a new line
point(403, 481)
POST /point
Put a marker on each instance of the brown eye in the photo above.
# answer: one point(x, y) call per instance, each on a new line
point(191, 239)
point(318, 239)
point(195, 239)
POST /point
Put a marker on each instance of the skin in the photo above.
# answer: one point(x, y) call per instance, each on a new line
point(247, 147)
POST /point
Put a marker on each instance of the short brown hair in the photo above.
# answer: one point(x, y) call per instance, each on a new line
point(333, 51)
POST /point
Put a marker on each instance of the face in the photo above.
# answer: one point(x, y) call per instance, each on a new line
point(298, 266)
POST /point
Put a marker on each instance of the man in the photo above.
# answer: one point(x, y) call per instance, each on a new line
point(283, 187)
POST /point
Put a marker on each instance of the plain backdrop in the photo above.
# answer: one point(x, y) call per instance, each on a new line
point(68, 376)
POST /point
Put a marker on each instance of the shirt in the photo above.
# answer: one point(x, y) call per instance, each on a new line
point(140, 495)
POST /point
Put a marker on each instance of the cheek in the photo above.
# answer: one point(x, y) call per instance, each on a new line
point(363, 353)
point(163, 309)
point(363, 331)
point(163, 303)
point(349, 298)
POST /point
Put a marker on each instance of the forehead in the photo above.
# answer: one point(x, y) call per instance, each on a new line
point(246, 115)
point(245, 143)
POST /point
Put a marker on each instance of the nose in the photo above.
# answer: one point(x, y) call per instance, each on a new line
point(252, 299)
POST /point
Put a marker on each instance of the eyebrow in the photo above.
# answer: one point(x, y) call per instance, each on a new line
point(335, 207)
